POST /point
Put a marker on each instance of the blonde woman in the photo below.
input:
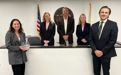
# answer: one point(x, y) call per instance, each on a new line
point(47, 30)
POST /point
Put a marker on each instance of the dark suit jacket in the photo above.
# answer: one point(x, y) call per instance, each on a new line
point(47, 34)
point(107, 40)
point(83, 34)
point(16, 56)
point(61, 30)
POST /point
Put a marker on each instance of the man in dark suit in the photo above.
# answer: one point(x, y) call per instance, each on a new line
point(65, 27)
point(102, 39)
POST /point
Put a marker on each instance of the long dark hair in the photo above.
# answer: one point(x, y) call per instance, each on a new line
point(11, 29)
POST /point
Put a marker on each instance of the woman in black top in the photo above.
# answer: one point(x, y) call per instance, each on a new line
point(47, 30)
point(82, 31)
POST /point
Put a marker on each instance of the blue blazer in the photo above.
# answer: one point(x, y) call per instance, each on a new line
point(82, 34)
point(107, 40)
point(47, 34)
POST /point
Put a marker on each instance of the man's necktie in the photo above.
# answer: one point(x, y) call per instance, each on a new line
point(100, 28)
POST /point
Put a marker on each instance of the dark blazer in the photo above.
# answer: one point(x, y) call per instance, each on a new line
point(83, 34)
point(107, 40)
point(47, 34)
point(16, 56)
point(61, 30)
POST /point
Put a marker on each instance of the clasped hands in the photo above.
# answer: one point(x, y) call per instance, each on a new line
point(84, 40)
point(24, 49)
point(65, 37)
point(98, 53)
point(46, 42)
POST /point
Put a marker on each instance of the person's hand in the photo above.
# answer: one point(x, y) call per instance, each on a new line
point(98, 53)
point(45, 44)
point(65, 37)
point(46, 41)
point(84, 40)
point(23, 48)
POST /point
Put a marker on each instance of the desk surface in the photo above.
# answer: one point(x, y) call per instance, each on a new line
point(58, 61)
point(80, 46)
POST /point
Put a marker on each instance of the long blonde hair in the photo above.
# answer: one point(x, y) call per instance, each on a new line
point(80, 18)
point(44, 17)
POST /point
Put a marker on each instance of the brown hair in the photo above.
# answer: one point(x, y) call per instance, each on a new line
point(11, 29)
point(105, 7)
point(65, 8)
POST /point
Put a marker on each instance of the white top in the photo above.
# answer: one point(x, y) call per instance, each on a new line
point(47, 25)
point(83, 27)
point(65, 24)
point(19, 38)
point(102, 27)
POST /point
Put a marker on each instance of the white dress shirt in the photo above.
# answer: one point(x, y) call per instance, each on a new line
point(83, 27)
point(47, 25)
point(65, 24)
